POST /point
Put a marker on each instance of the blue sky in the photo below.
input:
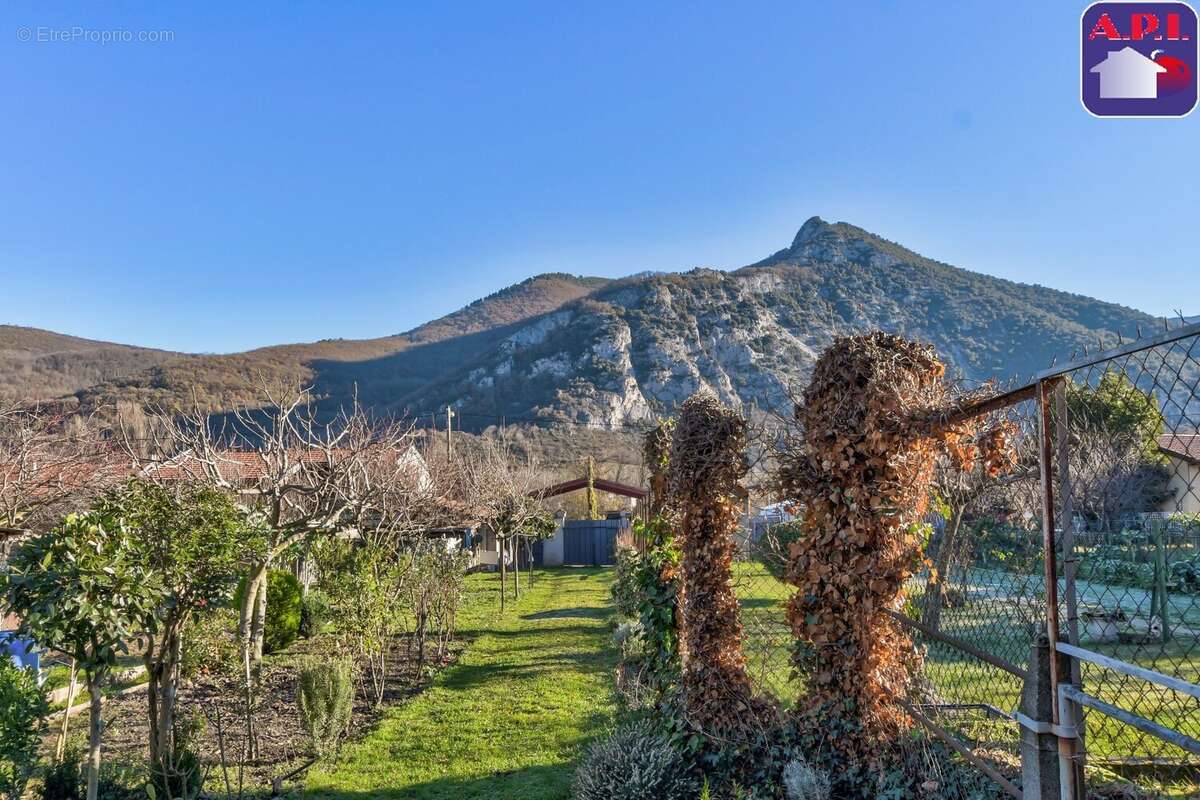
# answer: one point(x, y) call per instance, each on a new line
point(291, 171)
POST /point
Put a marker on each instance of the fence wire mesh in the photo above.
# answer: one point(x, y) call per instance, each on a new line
point(762, 597)
point(979, 604)
point(1128, 478)
point(1124, 437)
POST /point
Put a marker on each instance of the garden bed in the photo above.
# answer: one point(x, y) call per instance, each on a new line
point(283, 745)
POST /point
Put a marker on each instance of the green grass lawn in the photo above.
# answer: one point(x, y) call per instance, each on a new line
point(510, 718)
point(768, 638)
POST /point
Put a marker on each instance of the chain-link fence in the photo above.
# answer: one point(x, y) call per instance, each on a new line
point(977, 608)
point(1108, 473)
point(1127, 470)
point(768, 639)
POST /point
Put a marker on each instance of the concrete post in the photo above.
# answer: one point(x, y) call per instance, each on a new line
point(1040, 778)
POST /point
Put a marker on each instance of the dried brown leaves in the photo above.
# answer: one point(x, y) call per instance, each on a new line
point(706, 464)
point(875, 417)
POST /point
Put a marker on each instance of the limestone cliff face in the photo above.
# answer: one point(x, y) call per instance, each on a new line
point(638, 347)
point(610, 354)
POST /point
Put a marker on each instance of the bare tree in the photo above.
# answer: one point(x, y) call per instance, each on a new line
point(50, 463)
point(1112, 476)
point(301, 475)
point(500, 490)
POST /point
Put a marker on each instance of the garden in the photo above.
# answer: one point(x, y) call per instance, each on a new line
point(304, 615)
point(227, 615)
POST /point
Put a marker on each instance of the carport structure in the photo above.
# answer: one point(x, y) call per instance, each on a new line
point(586, 541)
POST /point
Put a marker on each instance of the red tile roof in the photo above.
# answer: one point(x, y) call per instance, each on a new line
point(244, 466)
point(1181, 445)
point(71, 472)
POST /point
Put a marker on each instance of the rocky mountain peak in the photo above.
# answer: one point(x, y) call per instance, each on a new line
point(812, 228)
point(613, 354)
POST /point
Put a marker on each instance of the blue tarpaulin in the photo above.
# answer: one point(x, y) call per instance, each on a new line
point(23, 652)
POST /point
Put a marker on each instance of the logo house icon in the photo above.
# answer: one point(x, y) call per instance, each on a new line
point(1128, 75)
point(1138, 59)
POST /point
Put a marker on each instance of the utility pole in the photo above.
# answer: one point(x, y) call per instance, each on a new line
point(449, 441)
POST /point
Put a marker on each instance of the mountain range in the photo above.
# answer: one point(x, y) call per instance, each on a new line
point(614, 353)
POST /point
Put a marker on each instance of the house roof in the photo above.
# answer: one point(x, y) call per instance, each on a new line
point(1126, 58)
point(1185, 446)
point(612, 487)
point(247, 466)
point(68, 471)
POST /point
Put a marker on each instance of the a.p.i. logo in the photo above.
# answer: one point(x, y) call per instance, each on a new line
point(1139, 59)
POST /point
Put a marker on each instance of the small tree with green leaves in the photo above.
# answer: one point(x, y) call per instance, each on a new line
point(22, 722)
point(593, 503)
point(195, 542)
point(365, 583)
point(82, 589)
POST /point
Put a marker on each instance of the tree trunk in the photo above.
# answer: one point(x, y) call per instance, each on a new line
point(162, 668)
point(258, 628)
point(251, 614)
point(516, 551)
point(529, 554)
point(168, 689)
point(95, 730)
point(422, 627)
point(501, 547)
point(934, 589)
point(153, 693)
point(248, 686)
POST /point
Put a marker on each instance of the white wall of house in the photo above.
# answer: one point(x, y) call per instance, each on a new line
point(487, 554)
point(1185, 483)
point(552, 548)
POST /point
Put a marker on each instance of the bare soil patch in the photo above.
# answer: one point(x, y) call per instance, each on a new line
point(282, 744)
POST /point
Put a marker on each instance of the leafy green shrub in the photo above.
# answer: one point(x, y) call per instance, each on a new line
point(634, 763)
point(1186, 575)
point(123, 782)
point(1117, 572)
point(325, 695)
point(22, 713)
point(625, 589)
point(315, 610)
point(182, 781)
point(999, 546)
point(285, 599)
point(211, 646)
point(62, 779)
point(1188, 523)
point(118, 780)
point(657, 580)
point(179, 778)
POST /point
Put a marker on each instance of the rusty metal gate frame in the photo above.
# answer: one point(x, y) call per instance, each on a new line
point(1049, 390)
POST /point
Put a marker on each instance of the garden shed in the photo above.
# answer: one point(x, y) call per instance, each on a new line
point(588, 542)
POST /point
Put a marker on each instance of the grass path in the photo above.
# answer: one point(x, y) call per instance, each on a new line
point(509, 719)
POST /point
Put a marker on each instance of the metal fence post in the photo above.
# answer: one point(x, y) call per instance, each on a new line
point(1070, 711)
point(1070, 772)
